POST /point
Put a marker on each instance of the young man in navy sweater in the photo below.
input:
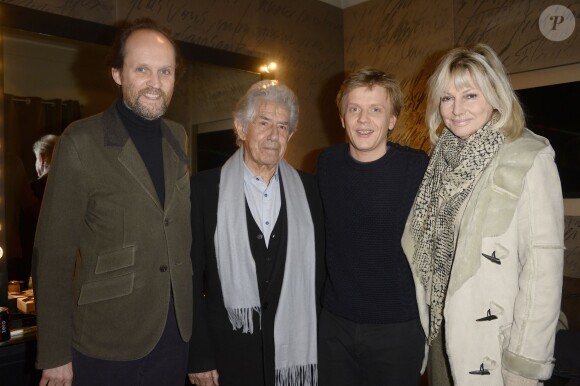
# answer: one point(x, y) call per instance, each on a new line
point(369, 332)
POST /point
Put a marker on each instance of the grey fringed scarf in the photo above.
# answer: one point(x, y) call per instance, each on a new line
point(295, 321)
point(453, 170)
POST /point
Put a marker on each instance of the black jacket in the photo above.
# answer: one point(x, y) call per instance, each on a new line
point(240, 359)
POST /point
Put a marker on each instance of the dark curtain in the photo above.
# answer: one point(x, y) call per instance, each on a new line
point(26, 119)
point(71, 111)
point(29, 118)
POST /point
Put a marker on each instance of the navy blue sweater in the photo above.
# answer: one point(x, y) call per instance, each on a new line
point(366, 206)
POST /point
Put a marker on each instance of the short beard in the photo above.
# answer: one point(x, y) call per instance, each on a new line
point(143, 111)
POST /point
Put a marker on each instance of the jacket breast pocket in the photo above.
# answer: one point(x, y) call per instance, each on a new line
point(118, 259)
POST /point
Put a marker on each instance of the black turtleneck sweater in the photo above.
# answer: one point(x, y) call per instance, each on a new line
point(366, 206)
point(146, 135)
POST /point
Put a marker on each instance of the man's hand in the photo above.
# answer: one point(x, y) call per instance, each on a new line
point(58, 376)
point(209, 378)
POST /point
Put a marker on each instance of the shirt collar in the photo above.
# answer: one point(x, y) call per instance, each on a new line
point(249, 176)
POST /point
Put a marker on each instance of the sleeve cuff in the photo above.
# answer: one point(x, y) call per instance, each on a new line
point(525, 367)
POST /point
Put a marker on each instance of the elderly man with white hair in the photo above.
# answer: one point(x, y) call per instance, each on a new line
point(258, 237)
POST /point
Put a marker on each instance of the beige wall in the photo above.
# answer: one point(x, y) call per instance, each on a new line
point(304, 37)
point(406, 37)
point(400, 37)
point(313, 43)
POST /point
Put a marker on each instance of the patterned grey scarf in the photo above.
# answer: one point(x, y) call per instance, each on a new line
point(453, 170)
point(295, 321)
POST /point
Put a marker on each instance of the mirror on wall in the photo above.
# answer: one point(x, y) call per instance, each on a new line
point(50, 78)
point(48, 83)
point(203, 101)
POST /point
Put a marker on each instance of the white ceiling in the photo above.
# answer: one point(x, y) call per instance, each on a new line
point(343, 3)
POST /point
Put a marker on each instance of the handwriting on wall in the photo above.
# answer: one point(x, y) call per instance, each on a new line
point(235, 25)
point(100, 11)
point(305, 38)
point(512, 29)
point(406, 38)
point(399, 37)
point(261, 28)
point(246, 24)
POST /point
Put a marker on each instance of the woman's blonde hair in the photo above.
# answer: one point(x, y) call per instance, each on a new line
point(486, 70)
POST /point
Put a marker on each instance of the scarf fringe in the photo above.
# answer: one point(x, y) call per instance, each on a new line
point(242, 318)
point(305, 375)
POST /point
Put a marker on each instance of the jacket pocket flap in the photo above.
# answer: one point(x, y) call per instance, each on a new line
point(111, 261)
point(112, 288)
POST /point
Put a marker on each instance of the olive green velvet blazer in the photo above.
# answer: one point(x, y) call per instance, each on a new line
point(107, 254)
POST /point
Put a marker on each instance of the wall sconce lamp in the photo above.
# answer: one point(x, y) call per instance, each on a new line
point(268, 71)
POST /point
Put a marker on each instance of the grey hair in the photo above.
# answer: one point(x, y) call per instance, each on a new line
point(266, 90)
point(45, 145)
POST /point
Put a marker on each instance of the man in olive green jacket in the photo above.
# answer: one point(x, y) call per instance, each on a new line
point(112, 251)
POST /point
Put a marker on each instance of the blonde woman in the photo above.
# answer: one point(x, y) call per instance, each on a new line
point(485, 235)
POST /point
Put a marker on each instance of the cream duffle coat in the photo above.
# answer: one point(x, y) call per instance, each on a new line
point(504, 293)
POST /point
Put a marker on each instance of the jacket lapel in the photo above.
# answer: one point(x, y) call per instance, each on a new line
point(171, 161)
point(115, 135)
point(130, 158)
